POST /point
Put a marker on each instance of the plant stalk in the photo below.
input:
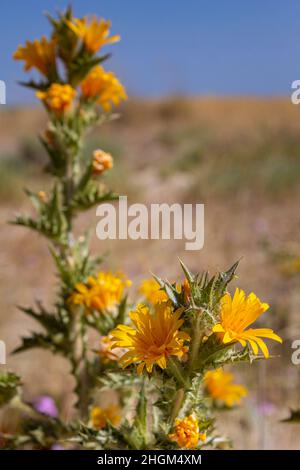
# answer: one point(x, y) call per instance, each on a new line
point(196, 342)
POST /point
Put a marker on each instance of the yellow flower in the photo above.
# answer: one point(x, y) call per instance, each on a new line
point(101, 292)
point(58, 98)
point(186, 433)
point(100, 416)
point(152, 292)
point(105, 351)
point(153, 338)
point(93, 32)
point(103, 86)
point(101, 161)
point(37, 54)
point(220, 386)
point(237, 314)
point(42, 196)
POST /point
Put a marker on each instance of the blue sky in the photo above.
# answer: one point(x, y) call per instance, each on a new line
point(225, 47)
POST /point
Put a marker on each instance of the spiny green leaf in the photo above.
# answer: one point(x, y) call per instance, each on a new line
point(189, 276)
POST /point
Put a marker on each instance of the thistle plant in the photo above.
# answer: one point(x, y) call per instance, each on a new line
point(163, 357)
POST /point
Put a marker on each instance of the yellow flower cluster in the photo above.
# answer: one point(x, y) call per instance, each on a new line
point(100, 293)
point(98, 84)
point(220, 386)
point(237, 314)
point(156, 337)
point(186, 433)
point(153, 339)
point(101, 416)
point(37, 54)
point(94, 33)
point(58, 98)
point(104, 87)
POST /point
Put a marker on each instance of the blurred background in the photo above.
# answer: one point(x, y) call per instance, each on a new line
point(209, 120)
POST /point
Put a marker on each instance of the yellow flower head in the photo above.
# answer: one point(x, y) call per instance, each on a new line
point(153, 338)
point(152, 292)
point(37, 54)
point(104, 87)
point(102, 161)
point(237, 314)
point(186, 433)
point(220, 386)
point(58, 98)
point(93, 32)
point(105, 351)
point(100, 416)
point(100, 293)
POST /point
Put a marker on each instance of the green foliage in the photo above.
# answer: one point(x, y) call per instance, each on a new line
point(206, 292)
point(9, 387)
point(92, 194)
point(56, 337)
point(77, 266)
point(50, 221)
point(118, 380)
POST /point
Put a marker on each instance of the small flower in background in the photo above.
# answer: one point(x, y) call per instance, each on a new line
point(186, 433)
point(290, 266)
point(46, 405)
point(93, 32)
point(104, 87)
point(100, 293)
point(220, 386)
point(152, 291)
point(57, 447)
point(153, 338)
point(100, 416)
point(37, 54)
point(58, 98)
point(102, 161)
point(105, 351)
point(237, 314)
point(266, 408)
point(42, 196)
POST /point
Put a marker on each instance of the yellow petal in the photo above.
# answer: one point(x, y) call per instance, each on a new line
point(218, 328)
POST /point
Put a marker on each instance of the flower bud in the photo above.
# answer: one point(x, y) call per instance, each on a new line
point(102, 161)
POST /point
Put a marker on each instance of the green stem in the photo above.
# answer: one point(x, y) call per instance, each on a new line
point(78, 354)
point(178, 401)
point(196, 342)
point(177, 371)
